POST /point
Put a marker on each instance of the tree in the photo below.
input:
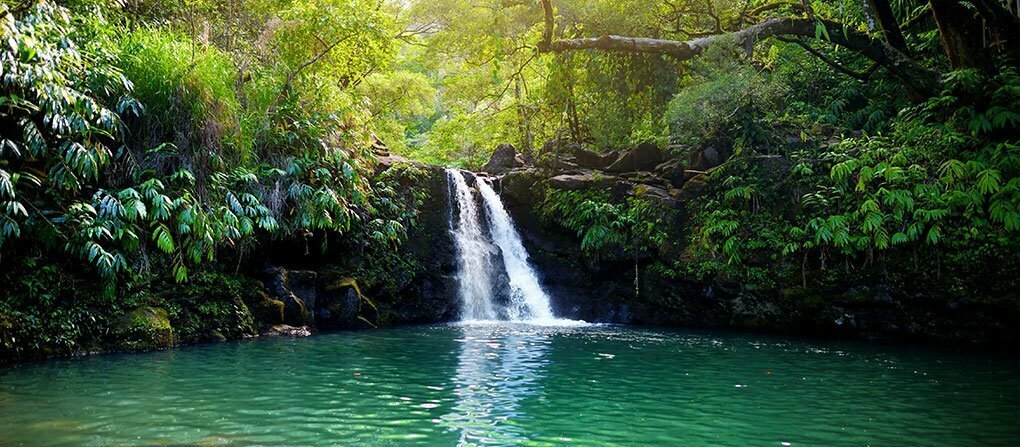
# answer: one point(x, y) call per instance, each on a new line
point(960, 31)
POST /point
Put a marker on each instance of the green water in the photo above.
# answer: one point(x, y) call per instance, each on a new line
point(519, 385)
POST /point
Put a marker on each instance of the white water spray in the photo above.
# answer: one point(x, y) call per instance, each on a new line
point(474, 278)
point(527, 301)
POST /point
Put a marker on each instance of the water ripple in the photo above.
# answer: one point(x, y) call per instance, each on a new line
point(518, 385)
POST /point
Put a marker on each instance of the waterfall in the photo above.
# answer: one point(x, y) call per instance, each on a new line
point(474, 265)
point(476, 270)
point(527, 301)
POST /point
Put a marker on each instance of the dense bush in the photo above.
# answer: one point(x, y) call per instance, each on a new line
point(941, 186)
point(131, 155)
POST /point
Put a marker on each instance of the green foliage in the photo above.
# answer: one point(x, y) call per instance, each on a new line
point(725, 98)
point(228, 145)
point(63, 104)
point(183, 86)
point(633, 225)
point(942, 183)
point(598, 223)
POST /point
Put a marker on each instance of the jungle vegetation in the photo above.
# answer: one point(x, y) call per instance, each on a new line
point(154, 141)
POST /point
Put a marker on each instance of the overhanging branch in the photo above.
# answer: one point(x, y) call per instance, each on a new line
point(916, 77)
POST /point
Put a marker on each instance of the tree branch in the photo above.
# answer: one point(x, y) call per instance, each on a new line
point(909, 72)
point(860, 76)
point(20, 8)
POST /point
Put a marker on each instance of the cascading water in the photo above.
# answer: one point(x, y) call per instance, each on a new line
point(527, 301)
point(474, 279)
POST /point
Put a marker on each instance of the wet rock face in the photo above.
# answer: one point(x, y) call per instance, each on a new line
point(339, 301)
point(431, 295)
point(322, 300)
point(349, 290)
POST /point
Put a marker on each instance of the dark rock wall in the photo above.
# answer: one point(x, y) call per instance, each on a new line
point(343, 288)
point(605, 292)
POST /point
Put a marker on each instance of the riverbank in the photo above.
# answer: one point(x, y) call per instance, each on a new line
point(290, 289)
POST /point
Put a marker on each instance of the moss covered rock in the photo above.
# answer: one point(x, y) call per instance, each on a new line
point(145, 328)
point(266, 311)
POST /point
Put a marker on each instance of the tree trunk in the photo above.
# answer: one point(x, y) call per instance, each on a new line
point(963, 32)
point(522, 115)
point(881, 12)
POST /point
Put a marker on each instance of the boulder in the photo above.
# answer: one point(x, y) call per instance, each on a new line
point(644, 157)
point(519, 187)
point(524, 160)
point(295, 310)
point(559, 163)
point(592, 160)
point(695, 187)
point(265, 310)
point(339, 301)
point(296, 290)
point(585, 180)
point(643, 177)
point(672, 170)
point(710, 155)
point(656, 195)
point(503, 159)
point(144, 329)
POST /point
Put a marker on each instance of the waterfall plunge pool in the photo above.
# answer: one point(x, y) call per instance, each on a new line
point(518, 384)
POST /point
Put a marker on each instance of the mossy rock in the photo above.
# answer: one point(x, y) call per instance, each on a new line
point(295, 313)
point(266, 311)
point(144, 329)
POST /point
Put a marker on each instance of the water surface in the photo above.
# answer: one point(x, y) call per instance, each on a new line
point(519, 385)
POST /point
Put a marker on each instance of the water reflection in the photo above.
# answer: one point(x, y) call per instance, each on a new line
point(498, 367)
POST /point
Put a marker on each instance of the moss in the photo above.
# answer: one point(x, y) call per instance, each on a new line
point(266, 312)
point(145, 328)
point(804, 304)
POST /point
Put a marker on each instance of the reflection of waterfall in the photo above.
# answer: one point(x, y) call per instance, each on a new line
point(497, 368)
point(473, 261)
point(528, 301)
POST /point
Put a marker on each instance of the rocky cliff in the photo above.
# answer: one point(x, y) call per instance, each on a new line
point(605, 290)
